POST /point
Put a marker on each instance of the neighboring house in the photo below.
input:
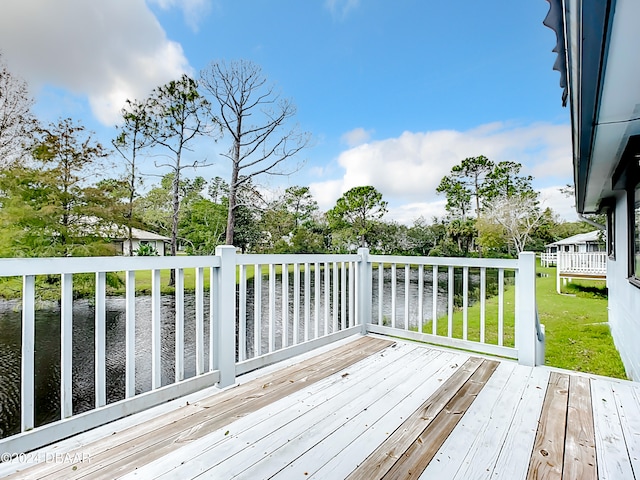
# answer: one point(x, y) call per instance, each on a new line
point(583, 242)
point(600, 77)
point(139, 237)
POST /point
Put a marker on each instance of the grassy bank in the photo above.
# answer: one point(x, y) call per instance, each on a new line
point(577, 332)
point(578, 336)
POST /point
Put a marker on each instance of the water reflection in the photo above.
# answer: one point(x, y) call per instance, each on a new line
point(47, 351)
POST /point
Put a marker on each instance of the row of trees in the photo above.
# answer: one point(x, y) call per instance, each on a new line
point(57, 197)
point(231, 101)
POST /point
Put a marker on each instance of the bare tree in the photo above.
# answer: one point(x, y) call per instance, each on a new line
point(17, 124)
point(256, 118)
point(518, 215)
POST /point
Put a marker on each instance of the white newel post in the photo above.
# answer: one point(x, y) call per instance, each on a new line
point(226, 318)
point(365, 290)
point(525, 328)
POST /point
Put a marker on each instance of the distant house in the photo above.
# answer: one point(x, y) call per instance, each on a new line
point(582, 242)
point(597, 47)
point(138, 238)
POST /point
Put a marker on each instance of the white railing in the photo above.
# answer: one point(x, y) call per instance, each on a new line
point(584, 265)
point(588, 263)
point(260, 309)
point(430, 299)
point(548, 259)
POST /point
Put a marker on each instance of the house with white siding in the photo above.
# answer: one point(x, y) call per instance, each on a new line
point(597, 47)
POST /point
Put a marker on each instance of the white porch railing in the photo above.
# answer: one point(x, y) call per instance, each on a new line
point(548, 259)
point(586, 265)
point(299, 302)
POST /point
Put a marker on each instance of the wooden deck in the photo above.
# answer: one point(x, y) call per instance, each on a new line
point(373, 408)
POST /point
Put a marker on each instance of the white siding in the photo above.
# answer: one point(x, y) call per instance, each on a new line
point(624, 298)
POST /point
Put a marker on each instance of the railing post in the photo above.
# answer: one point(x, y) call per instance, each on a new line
point(226, 319)
point(365, 290)
point(525, 318)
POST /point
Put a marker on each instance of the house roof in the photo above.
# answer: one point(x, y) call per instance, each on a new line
point(579, 239)
point(138, 234)
point(596, 45)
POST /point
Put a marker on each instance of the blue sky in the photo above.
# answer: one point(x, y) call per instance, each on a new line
point(394, 93)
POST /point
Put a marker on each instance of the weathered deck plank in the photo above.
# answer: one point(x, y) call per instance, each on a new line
point(278, 423)
point(351, 447)
point(473, 448)
point(513, 460)
point(579, 445)
point(422, 451)
point(373, 408)
point(548, 450)
point(611, 447)
point(124, 451)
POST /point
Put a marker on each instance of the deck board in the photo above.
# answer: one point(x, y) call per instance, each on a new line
point(476, 444)
point(279, 422)
point(515, 452)
point(548, 450)
point(580, 449)
point(124, 451)
point(611, 448)
point(375, 408)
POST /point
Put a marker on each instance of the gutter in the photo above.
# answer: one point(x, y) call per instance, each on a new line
point(591, 222)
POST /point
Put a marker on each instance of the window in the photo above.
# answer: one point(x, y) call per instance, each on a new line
point(636, 234)
point(611, 233)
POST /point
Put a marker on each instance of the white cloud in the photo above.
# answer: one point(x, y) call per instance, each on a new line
point(193, 10)
point(562, 206)
point(341, 8)
point(107, 51)
point(356, 137)
point(408, 169)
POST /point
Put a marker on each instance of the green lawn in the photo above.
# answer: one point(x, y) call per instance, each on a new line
point(577, 333)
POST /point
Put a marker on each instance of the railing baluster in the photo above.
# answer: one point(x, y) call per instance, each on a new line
point(343, 296)
point(316, 301)
point(465, 302)
point(272, 307)
point(66, 346)
point(199, 320)
point(380, 293)
point(420, 297)
point(407, 284)
point(335, 297)
point(130, 333)
point(179, 325)
point(327, 289)
point(352, 300)
point(257, 310)
point(156, 350)
point(100, 334)
point(500, 306)
point(434, 301)
point(450, 302)
point(296, 303)
point(242, 312)
point(285, 305)
point(483, 302)
point(307, 301)
point(213, 318)
point(27, 379)
point(393, 295)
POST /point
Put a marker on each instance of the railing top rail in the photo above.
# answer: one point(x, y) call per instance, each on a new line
point(447, 261)
point(14, 267)
point(252, 258)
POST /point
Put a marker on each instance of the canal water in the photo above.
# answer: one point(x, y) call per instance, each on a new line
point(47, 339)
